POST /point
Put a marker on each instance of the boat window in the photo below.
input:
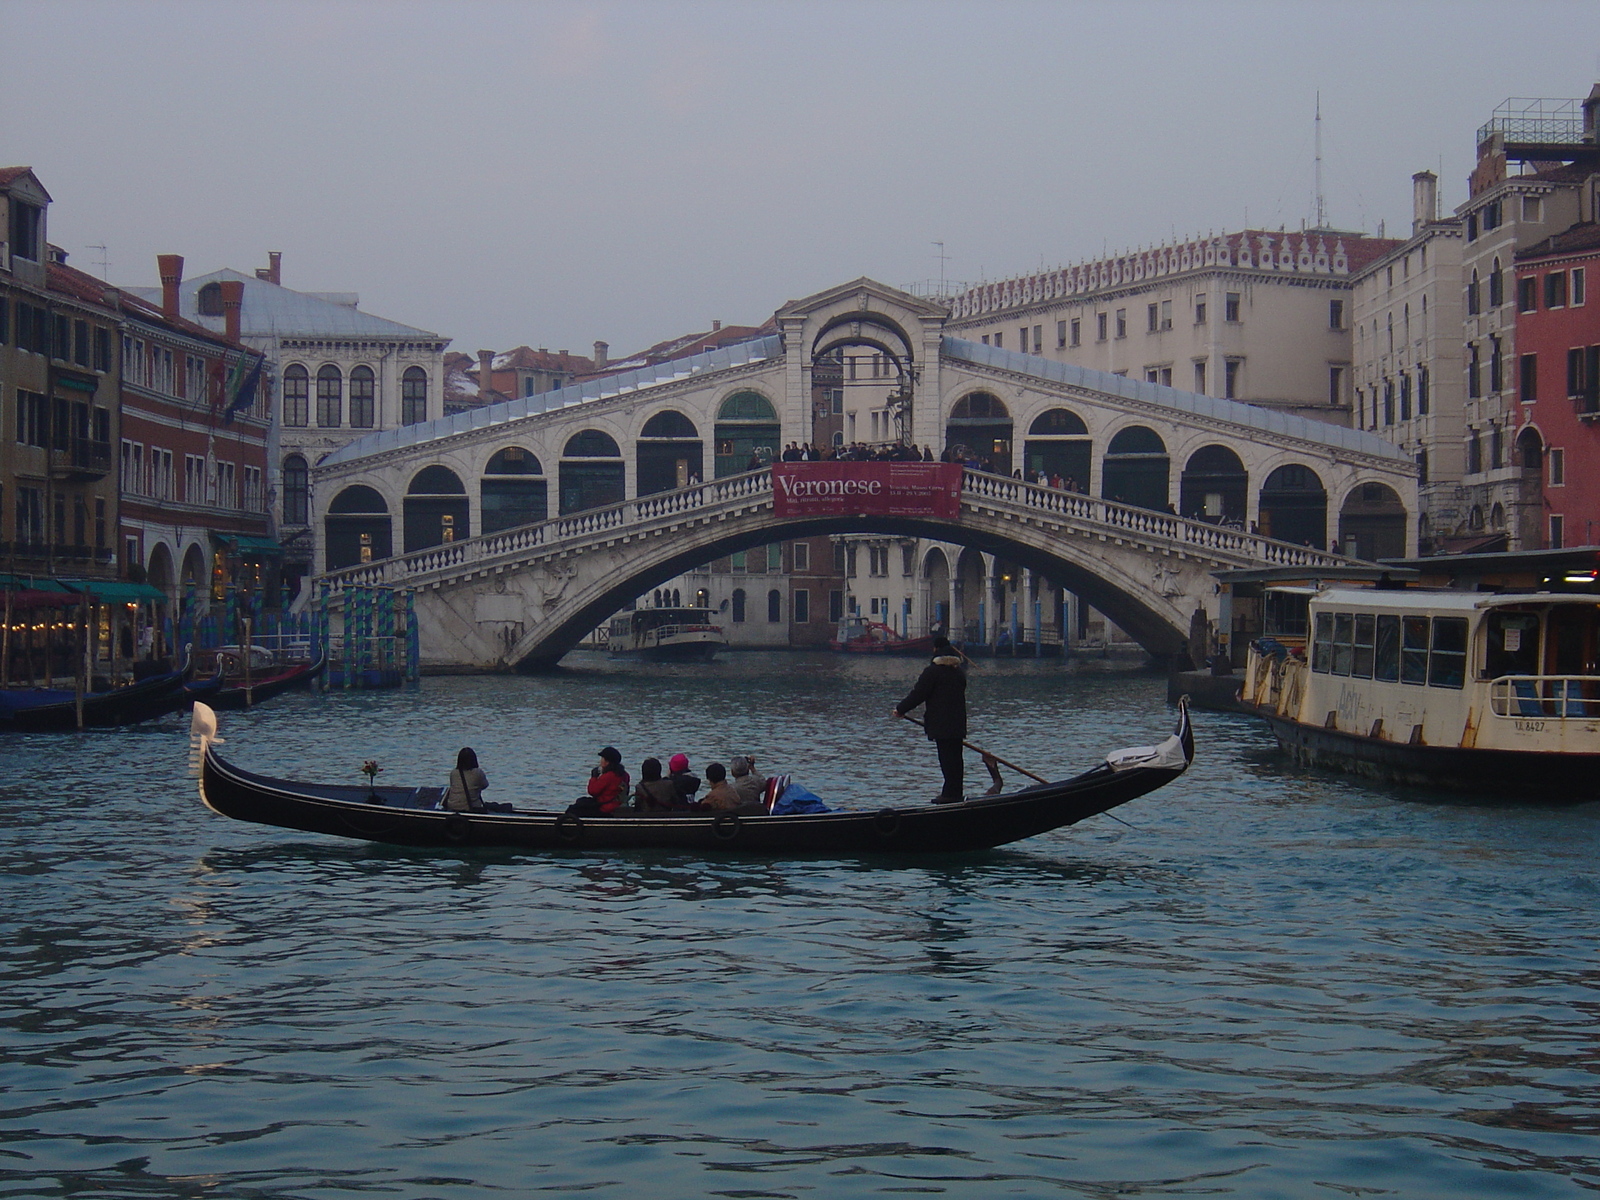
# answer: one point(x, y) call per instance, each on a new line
point(1512, 644)
point(1322, 646)
point(1361, 663)
point(1343, 650)
point(1447, 661)
point(1287, 614)
point(1386, 656)
point(1414, 650)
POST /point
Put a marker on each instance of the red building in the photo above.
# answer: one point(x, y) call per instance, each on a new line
point(1558, 377)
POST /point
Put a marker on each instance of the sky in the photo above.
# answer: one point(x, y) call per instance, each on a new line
point(555, 173)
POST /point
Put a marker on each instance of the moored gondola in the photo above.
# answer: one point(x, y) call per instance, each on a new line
point(54, 712)
point(410, 816)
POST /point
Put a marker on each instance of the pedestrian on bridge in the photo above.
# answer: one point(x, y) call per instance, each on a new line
point(942, 686)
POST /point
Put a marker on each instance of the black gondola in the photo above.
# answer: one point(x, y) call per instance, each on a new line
point(407, 816)
point(234, 694)
point(153, 697)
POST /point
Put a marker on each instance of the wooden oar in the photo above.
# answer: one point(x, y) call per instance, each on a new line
point(986, 754)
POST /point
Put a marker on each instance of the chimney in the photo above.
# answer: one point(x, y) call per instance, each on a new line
point(1424, 200)
point(600, 349)
point(232, 302)
point(485, 373)
point(170, 267)
point(716, 327)
point(275, 266)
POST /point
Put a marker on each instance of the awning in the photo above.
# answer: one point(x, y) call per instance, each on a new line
point(117, 591)
point(247, 543)
point(31, 583)
point(21, 598)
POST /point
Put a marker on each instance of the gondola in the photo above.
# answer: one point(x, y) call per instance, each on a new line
point(408, 816)
point(38, 711)
point(234, 694)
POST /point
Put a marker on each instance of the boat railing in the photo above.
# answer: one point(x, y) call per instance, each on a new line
point(1545, 697)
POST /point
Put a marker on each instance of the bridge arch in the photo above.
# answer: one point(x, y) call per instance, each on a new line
point(436, 509)
point(746, 427)
point(512, 490)
point(1136, 469)
point(1294, 506)
point(865, 328)
point(593, 473)
point(668, 453)
point(358, 528)
point(1059, 444)
point(981, 421)
point(1214, 486)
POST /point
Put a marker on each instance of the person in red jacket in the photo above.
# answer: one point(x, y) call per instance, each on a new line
point(608, 787)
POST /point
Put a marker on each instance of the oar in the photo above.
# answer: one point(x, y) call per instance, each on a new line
point(986, 754)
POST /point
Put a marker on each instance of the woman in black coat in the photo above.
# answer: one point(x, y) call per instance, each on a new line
point(942, 686)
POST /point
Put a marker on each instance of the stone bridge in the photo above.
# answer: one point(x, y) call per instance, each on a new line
point(524, 597)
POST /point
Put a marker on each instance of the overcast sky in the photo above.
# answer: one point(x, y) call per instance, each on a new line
point(553, 173)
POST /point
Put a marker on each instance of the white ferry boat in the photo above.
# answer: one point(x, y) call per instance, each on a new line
point(665, 635)
point(1458, 690)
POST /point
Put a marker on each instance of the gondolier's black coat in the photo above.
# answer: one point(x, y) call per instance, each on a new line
point(943, 687)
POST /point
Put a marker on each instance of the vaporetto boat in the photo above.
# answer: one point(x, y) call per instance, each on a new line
point(1495, 694)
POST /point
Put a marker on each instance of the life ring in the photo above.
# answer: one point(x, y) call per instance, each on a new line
point(456, 827)
point(569, 827)
point(725, 826)
point(886, 823)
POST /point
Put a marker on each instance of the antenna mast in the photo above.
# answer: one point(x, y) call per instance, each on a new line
point(1322, 211)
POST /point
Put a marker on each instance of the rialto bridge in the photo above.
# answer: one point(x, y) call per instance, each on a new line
point(526, 524)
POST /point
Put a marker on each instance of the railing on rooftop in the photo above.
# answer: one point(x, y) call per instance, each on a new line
point(1536, 119)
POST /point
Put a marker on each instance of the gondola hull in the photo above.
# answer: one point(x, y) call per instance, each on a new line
point(153, 697)
point(406, 816)
point(234, 695)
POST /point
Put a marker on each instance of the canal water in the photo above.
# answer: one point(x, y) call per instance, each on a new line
point(1268, 983)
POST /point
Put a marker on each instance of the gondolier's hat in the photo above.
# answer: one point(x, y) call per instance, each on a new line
point(941, 645)
point(611, 754)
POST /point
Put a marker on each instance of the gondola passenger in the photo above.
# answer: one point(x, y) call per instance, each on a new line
point(721, 797)
point(608, 787)
point(685, 783)
point(467, 781)
point(653, 793)
point(750, 783)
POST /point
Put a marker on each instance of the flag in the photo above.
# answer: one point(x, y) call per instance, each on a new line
point(242, 386)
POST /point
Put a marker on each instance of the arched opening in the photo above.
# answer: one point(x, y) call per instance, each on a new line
point(159, 573)
point(357, 528)
point(980, 426)
point(296, 395)
point(1136, 469)
point(296, 491)
point(1294, 507)
point(591, 472)
point(774, 606)
point(670, 453)
point(363, 398)
point(936, 571)
point(738, 606)
point(330, 397)
point(436, 509)
point(972, 612)
point(1214, 487)
point(512, 490)
point(1058, 445)
point(413, 396)
point(1372, 523)
point(746, 433)
point(1530, 451)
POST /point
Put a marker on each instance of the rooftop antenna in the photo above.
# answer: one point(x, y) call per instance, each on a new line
point(1322, 212)
point(104, 263)
point(943, 258)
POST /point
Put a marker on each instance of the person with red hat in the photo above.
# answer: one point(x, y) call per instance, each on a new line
point(684, 784)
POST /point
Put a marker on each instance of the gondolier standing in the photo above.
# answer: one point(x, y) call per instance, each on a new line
point(942, 686)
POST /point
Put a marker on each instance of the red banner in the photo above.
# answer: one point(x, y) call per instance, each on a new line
point(883, 489)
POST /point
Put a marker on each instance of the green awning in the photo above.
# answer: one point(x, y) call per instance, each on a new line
point(116, 591)
point(248, 543)
point(30, 583)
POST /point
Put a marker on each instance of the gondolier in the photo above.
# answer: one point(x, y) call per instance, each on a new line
point(942, 686)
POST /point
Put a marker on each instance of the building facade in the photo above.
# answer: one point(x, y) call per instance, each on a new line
point(1558, 380)
point(1409, 386)
point(59, 384)
point(1259, 316)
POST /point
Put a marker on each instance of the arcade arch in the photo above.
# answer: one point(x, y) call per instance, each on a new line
point(746, 427)
point(936, 577)
point(1372, 523)
point(592, 472)
point(357, 528)
point(1294, 507)
point(436, 509)
point(1214, 487)
point(1136, 469)
point(513, 490)
point(159, 573)
point(668, 452)
point(981, 422)
point(1059, 444)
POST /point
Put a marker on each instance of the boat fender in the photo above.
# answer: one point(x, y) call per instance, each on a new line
point(725, 826)
point(569, 827)
point(887, 823)
point(457, 827)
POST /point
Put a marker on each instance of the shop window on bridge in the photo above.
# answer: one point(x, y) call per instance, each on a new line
point(357, 528)
point(436, 509)
point(980, 425)
point(747, 432)
point(1214, 487)
point(296, 490)
point(1136, 469)
point(1294, 507)
point(1058, 446)
point(1372, 523)
point(669, 452)
point(595, 479)
point(511, 492)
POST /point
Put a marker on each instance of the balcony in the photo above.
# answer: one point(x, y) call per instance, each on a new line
point(81, 461)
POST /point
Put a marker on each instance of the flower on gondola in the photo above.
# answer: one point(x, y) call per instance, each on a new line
point(370, 769)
